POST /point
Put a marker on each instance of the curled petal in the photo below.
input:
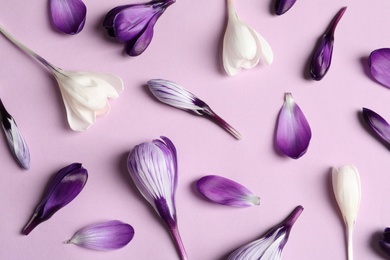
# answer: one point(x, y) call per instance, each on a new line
point(378, 124)
point(68, 16)
point(282, 6)
point(379, 62)
point(15, 140)
point(293, 132)
point(64, 187)
point(108, 235)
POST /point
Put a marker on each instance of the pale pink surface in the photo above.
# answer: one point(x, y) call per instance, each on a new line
point(187, 49)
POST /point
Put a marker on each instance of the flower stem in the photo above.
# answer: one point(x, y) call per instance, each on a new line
point(179, 243)
point(225, 125)
point(336, 20)
point(349, 242)
point(34, 221)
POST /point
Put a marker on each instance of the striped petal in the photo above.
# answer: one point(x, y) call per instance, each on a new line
point(378, 124)
point(379, 62)
point(68, 16)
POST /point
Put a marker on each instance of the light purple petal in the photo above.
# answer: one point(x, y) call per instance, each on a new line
point(68, 16)
point(379, 62)
point(226, 192)
point(282, 6)
point(293, 132)
point(108, 235)
point(377, 123)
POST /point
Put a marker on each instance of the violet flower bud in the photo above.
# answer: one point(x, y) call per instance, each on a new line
point(379, 62)
point(62, 189)
point(153, 168)
point(270, 246)
point(282, 6)
point(226, 192)
point(15, 140)
point(133, 24)
point(385, 242)
point(378, 124)
point(68, 16)
point(109, 235)
point(174, 95)
point(322, 56)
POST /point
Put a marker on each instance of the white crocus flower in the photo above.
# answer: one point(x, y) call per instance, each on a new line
point(243, 47)
point(85, 94)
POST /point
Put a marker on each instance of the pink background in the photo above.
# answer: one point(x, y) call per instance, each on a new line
point(186, 49)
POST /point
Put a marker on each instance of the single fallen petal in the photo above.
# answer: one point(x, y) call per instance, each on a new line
point(68, 16)
point(347, 191)
point(15, 140)
point(282, 6)
point(379, 61)
point(293, 132)
point(270, 246)
point(109, 235)
point(385, 242)
point(322, 55)
point(378, 124)
point(174, 95)
point(226, 192)
point(153, 168)
point(63, 188)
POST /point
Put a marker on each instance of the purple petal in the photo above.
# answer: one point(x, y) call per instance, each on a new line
point(379, 62)
point(226, 192)
point(15, 140)
point(108, 235)
point(378, 124)
point(108, 22)
point(322, 55)
point(293, 132)
point(282, 6)
point(63, 188)
point(68, 16)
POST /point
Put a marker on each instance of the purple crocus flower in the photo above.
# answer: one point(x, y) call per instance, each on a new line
point(109, 235)
point(322, 56)
point(270, 246)
point(378, 124)
point(133, 24)
point(293, 132)
point(63, 188)
point(153, 168)
point(282, 6)
point(385, 242)
point(379, 62)
point(15, 140)
point(223, 191)
point(68, 16)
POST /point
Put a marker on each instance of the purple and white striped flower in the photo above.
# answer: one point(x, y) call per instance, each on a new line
point(224, 191)
point(379, 61)
point(293, 132)
point(63, 188)
point(282, 6)
point(15, 140)
point(174, 95)
point(270, 246)
point(153, 168)
point(68, 16)
point(378, 124)
point(109, 235)
point(134, 24)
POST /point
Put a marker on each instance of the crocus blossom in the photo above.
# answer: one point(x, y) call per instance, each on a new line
point(15, 140)
point(322, 55)
point(174, 95)
point(378, 124)
point(68, 16)
point(134, 24)
point(85, 94)
point(282, 6)
point(347, 190)
point(63, 188)
point(385, 242)
point(153, 168)
point(379, 62)
point(270, 246)
point(293, 132)
point(243, 47)
point(109, 235)
point(224, 191)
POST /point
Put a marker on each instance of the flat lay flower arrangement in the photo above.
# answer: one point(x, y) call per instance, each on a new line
point(179, 130)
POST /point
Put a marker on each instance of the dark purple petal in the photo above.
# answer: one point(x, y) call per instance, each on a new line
point(226, 192)
point(62, 189)
point(68, 16)
point(293, 132)
point(385, 242)
point(379, 62)
point(282, 6)
point(378, 124)
point(386, 235)
point(322, 55)
point(108, 235)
